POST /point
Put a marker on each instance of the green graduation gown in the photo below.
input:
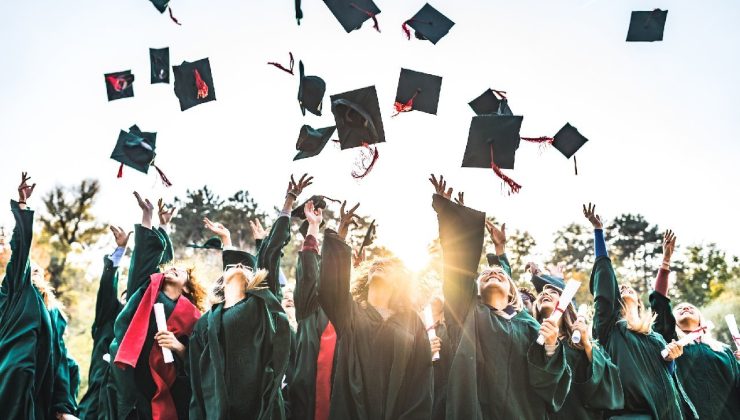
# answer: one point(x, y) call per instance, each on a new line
point(498, 370)
point(710, 378)
point(135, 388)
point(383, 367)
point(107, 308)
point(649, 387)
point(27, 371)
point(67, 379)
point(240, 355)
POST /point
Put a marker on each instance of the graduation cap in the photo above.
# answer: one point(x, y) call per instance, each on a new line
point(211, 243)
point(647, 26)
point(119, 85)
point(492, 143)
point(311, 91)
point(417, 92)
point(429, 24)
point(194, 83)
point(369, 236)
point(137, 149)
point(235, 256)
point(159, 60)
point(491, 102)
point(312, 141)
point(351, 14)
point(568, 141)
point(298, 12)
point(161, 5)
point(319, 202)
point(492, 260)
point(539, 281)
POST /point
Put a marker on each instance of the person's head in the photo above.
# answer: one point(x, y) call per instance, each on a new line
point(527, 298)
point(629, 295)
point(638, 319)
point(493, 281)
point(288, 298)
point(384, 273)
point(688, 317)
point(44, 288)
point(545, 304)
point(183, 278)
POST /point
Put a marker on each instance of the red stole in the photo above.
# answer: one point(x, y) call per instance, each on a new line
point(324, 365)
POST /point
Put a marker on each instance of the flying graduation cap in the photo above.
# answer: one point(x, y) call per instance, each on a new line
point(491, 102)
point(311, 90)
point(194, 83)
point(428, 24)
point(351, 14)
point(312, 141)
point(492, 144)
point(369, 236)
point(647, 26)
point(319, 202)
point(137, 149)
point(211, 243)
point(163, 5)
point(568, 141)
point(417, 92)
point(119, 85)
point(159, 61)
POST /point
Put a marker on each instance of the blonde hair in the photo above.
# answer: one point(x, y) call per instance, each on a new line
point(45, 289)
point(255, 283)
point(707, 337)
point(645, 319)
point(401, 300)
point(514, 299)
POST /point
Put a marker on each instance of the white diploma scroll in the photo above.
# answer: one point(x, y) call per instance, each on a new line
point(429, 324)
point(162, 326)
point(688, 338)
point(732, 326)
point(570, 291)
point(582, 312)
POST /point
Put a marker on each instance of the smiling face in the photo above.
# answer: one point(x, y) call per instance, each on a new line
point(547, 300)
point(494, 280)
point(238, 272)
point(687, 316)
point(628, 294)
point(288, 299)
point(176, 276)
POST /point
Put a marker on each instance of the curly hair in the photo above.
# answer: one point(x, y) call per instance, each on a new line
point(401, 301)
point(193, 290)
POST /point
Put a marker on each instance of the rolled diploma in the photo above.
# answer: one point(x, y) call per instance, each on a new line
point(688, 338)
point(428, 322)
point(162, 326)
point(582, 312)
point(570, 291)
point(732, 326)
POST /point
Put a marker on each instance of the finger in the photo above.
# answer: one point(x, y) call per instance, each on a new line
point(341, 208)
point(292, 181)
point(129, 235)
point(148, 203)
point(449, 191)
point(355, 208)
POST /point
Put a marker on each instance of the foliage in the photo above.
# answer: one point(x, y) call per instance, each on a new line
point(636, 245)
point(705, 274)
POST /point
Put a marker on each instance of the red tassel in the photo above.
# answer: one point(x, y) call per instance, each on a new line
point(373, 154)
point(500, 93)
point(174, 19)
point(372, 16)
point(200, 85)
point(406, 30)
point(513, 186)
point(575, 164)
point(120, 171)
point(547, 140)
point(281, 67)
point(164, 178)
point(408, 106)
point(118, 83)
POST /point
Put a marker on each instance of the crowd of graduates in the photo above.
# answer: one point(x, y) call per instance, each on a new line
point(176, 346)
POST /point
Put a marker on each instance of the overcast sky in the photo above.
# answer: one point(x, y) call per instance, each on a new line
point(662, 118)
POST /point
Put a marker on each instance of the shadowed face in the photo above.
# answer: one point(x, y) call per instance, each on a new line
point(687, 316)
point(628, 293)
point(383, 271)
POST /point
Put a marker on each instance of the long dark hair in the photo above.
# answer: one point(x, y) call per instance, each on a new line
point(566, 323)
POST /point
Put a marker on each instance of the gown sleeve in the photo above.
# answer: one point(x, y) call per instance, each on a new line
point(665, 322)
point(334, 281)
point(169, 250)
point(503, 259)
point(599, 384)
point(306, 296)
point(549, 377)
point(271, 251)
point(106, 303)
point(418, 404)
point(149, 250)
point(17, 275)
point(195, 350)
point(604, 288)
point(63, 400)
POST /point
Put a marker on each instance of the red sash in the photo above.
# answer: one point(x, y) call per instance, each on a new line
point(324, 365)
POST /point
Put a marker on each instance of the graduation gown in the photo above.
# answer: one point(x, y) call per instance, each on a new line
point(135, 387)
point(383, 367)
point(107, 307)
point(498, 370)
point(648, 384)
point(67, 379)
point(441, 372)
point(240, 355)
point(710, 378)
point(27, 369)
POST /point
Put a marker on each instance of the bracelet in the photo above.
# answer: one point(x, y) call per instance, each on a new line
point(21, 202)
point(291, 193)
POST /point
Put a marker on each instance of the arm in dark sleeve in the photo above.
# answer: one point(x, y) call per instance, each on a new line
point(600, 385)
point(169, 251)
point(334, 281)
point(503, 260)
point(63, 400)
point(106, 303)
point(604, 288)
point(195, 350)
point(271, 251)
point(549, 377)
point(17, 274)
point(665, 322)
point(306, 296)
point(149, 247)
point(420, 372)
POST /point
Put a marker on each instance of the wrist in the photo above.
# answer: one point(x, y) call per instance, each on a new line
point(500, 250)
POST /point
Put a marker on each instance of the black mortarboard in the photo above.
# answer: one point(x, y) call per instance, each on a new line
point(135, 149)
point(353, 13)
point(160, 64)
point(119, 85)
point(429, 24)
point(211, 243)
point(489, 103)
point(568, 140)
point(358, 118)
point(500, 132)
point(194, 83)
point(318, 203)
point(311, 91)
point(312, 141)
point(647, 26)
point(493, 260)
point(418, 92)
point(541, 280)
point(369, 236)
point(161, 5)
point(234, 256)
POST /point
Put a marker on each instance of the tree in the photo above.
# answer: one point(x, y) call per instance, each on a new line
point(573, 246)
point(239, 209)
point(636, 245)
point(705, 274)
point(519, 248)
point(69, 220)
point(188, 222)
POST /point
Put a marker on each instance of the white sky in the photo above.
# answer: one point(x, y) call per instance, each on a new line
point(662, 118)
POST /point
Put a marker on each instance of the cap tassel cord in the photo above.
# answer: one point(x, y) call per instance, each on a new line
point(575, 164)
point(407, 31)
point(174, 19)
point(513, 186)
point(200, 85)
point(543, 142)
point(118, 83)
point(408, 106)
point(375, 156)
point(372, 15)
point(500, 93)
point(164, 178)
point(120, 171)
point(281, 67)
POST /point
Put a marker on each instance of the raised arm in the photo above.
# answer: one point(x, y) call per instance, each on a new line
point(149, 249)
point(306, 296)
point(17, 275)
point(498, 236)
point(166, 213)
point(665, 322)
point(603, 284)
point(461, 237)
point(106, 303)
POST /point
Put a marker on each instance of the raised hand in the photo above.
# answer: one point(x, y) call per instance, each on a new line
point(440, 187)
point(590, 214)
point(669, 245)
point(460, 198)
point(25, 190)
point(533, 268)
point(358, 257)
point(314, 216)
point(675, 351)
point(120, 235)
point(165, 214)
point(498, 236)
point(258, 232)
point(346, 218)
point(296, 188)
point(147, 209)
point(550, 330)
point(219, 230)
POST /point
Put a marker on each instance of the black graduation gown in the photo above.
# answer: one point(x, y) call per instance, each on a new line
point(498, 370)
point(240, 355)
point(710, 378)
point(383, 367)
point(27, 369)
point(66, 380)
point(441, 372)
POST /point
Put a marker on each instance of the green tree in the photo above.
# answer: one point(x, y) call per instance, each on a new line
point(705, 274)
point(188, 222)
point(573, 246)
point(236, 213)
point(636, 245)
point(518, 248)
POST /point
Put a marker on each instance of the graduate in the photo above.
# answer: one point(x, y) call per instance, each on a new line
point(107, 308)
point(595, 384)
point(383, 358)
point(145, 386)
point(310, 389)
point(708, 370)
point(624, 328)
point(498, 370)
point(240, 349)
